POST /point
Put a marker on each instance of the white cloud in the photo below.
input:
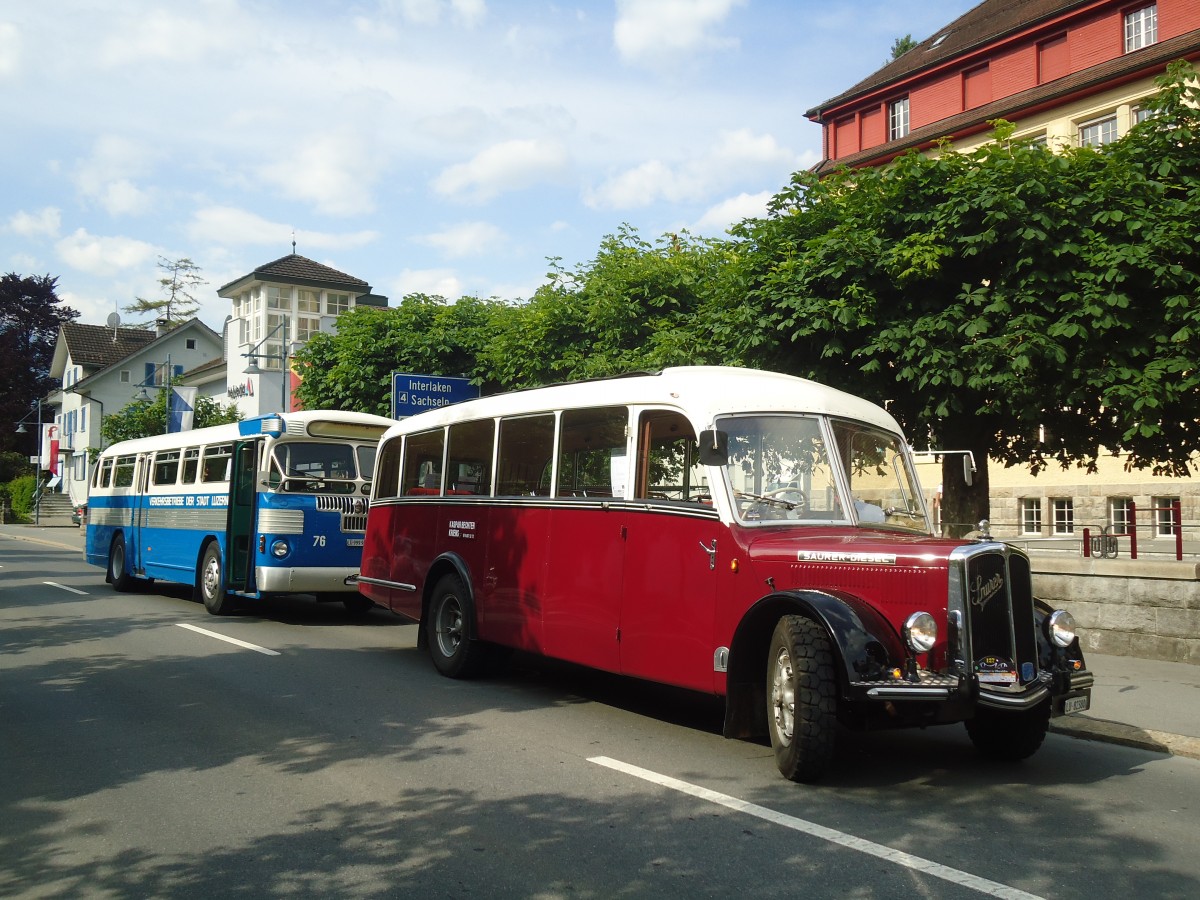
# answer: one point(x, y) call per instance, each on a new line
point(10, 49)
point(436, 282)
point(735, 156)
point(465, 239)
point(507, 166)
point(156, 34)
point(229, 226)
point(648, 31)
point(43, 223)
point(106, 175)
point(429, 12)
point(717, 219)
point(334, 172)
point(104, 256)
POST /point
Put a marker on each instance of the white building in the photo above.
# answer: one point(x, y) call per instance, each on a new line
point(102, 370)
point(276, 309)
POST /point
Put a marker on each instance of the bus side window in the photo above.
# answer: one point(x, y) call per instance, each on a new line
point(104, 473)
point(469, 457)
point(591, 452)
point(422, 473)
point(166, 467)
point(123, 471)
point(387, 470)
point(216, 464)
point(526, 448)
point(667, 467)
point(191, 464)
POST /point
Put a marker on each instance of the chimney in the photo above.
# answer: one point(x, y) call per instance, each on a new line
point(161, 326)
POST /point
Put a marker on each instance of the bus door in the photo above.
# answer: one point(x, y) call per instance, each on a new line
point(240, 533)
point(141, 512)
point(672, 559)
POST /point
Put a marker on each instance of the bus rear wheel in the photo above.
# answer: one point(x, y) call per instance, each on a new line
point(801, 698)
point(455, 653)
point(211, 583)
point(118, 566)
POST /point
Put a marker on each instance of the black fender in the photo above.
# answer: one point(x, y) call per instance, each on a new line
point(1052, 658)
point(864, 642)
point(447, 563)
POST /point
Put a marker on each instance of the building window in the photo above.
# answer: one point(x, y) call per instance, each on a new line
point(1098, 132)
point(338, 303)
point(306, 327)
point(279, 298)
point(308, 301)
point(125, 376)
point(1031, 515)
point(1164, 516)
point(1064, 515)
point(83, 418)
point(191, 343)
point(897, 119)
point(1120, 514)
point(1141, 28)
point(1141, 114)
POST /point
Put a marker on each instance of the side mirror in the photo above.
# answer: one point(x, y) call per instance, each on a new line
point(714, 448)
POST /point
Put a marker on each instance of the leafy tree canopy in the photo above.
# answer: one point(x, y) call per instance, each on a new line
point(144, 418)
point(1025, 304)
point(31, 313)
point(178, 303)
point(900, 46)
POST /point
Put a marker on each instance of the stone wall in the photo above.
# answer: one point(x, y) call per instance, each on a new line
point(1124, 607)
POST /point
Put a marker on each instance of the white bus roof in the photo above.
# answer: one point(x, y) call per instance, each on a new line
point(296, 424)
point(701, 392)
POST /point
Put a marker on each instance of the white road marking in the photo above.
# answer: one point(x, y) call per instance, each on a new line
point(65, 588)
point(899, 857)
point(227, 639)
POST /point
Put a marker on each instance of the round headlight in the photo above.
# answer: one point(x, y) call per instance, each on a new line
point(1061, 625)
point(279, 549)
point(920, 632)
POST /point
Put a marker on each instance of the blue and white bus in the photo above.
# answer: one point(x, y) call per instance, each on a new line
point(273, 505)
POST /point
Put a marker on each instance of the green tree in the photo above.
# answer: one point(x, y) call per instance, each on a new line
point(634, 307)
point(31, 313)
point(178, 304)
point(352, 369)
point(144, 418)
point(1025, 305)
point(900, 46)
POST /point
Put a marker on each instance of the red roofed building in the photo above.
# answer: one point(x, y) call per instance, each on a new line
point(1071, 72)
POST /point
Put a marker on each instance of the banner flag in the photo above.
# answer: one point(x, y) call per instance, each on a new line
point(183, 407)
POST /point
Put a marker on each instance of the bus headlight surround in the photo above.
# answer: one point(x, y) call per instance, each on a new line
point(1062, 629)
point(280, 549)
point(920, 632)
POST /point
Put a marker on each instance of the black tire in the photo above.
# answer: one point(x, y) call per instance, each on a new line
point(118, 566)
point(801, 698)
point(210, 582)
point(357, 605)
point(454, 652)
point(1009, 735)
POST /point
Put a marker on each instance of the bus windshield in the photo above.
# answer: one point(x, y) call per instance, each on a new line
point(781, 468)
point(311, 467)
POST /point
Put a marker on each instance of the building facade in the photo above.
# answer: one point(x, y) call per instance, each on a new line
point(275, 310)
point(1070, 72)
point(102, 369)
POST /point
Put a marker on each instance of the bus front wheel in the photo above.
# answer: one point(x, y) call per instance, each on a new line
point(118, 565)
point(454, 653)
point(211, 583)
point(801, 698)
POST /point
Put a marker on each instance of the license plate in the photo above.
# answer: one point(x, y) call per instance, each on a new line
point(1076, 704)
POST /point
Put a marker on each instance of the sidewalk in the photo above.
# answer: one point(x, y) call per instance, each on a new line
point(1144, 703)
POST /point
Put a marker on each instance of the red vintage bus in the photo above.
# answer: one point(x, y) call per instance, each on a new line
point(746, 534)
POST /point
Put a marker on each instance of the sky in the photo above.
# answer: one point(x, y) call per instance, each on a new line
point(447, 147)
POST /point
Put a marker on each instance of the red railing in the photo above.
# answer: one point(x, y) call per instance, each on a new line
point(1106, 541)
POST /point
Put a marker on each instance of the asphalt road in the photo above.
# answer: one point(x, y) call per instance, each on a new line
point(144, 755)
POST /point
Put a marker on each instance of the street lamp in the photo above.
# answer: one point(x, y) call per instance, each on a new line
point(254, 356)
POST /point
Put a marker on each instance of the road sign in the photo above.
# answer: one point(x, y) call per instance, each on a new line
point(412, 394)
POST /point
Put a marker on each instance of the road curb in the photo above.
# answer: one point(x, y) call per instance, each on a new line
point(1127, 735)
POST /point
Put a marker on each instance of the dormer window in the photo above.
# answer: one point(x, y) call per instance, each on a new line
point(1141, 28)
